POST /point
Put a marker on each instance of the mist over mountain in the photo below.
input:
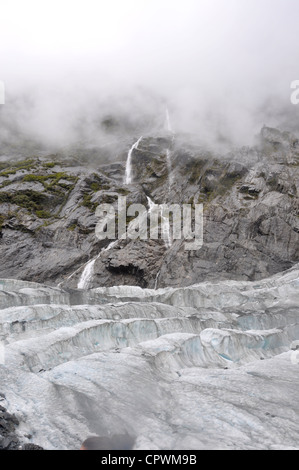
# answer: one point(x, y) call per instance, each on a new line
point(223, 68)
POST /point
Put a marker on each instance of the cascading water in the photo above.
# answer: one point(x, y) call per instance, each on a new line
point(165, 229)
point(156, 280)
point(88, 271)
point(168, 128)
point(128, 175)
point(167, 123)
point(87, 275)
point(151, 204)
point(169, 168)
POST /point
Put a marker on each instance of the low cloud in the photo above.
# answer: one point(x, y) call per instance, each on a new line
point(81, 71)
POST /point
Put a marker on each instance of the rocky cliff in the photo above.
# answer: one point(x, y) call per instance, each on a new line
point(250, 200)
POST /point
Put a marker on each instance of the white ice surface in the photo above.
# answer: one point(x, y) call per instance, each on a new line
point(204, 367)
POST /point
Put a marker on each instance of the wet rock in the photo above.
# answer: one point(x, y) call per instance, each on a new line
point(8, 424)
point(31, 447)
point(250, 199)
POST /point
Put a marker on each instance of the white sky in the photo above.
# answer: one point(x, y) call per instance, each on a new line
point(152, 35)
point(190, 50)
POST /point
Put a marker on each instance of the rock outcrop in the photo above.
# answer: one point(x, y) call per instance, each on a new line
point(8, 423)
point(250, 200)
point(9, 439)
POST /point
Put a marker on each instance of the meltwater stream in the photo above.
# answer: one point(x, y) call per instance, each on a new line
point(128, 174)
point(168, 128)
point(169, 168)
point(167, 124)
point(87, 274)
point(210, 366)
point(88, 271)
point(165, 226)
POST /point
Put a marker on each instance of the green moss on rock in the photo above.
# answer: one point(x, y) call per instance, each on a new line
point(22, 165)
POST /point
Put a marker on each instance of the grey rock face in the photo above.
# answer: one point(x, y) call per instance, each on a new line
point(251, 209)
point(8, 424)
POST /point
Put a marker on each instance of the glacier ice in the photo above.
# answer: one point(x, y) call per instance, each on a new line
point(202, 367)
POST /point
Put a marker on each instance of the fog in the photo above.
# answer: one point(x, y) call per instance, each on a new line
point(222, 67)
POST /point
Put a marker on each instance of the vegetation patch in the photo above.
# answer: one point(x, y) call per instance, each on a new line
point(22, 165)
point(219, 185)
point(194, 169)
point(49, 164)
point(99, 187)
point(6, 183)
point(87, 202)
point(54, 177)
point(30, 200)
point(4, 165)
point(108, 199)
point(123, 192)
point(72, 227)
point(43, 214)
point(100, 183)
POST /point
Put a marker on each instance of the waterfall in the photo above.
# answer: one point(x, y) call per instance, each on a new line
point(165, 226)
point(150, 203)
point(167, 124)
point(128, 175)
point(166, 231)
point(86, 275)
point(168, 128)
point(169, 168)
point(88, 271)
point(156, 280)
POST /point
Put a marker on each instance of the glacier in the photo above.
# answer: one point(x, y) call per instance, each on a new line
point(209, 366)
